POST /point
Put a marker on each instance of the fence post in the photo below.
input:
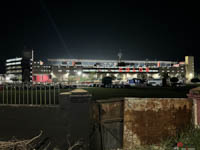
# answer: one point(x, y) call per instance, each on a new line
point(54, 95)
point(194, 94)
point(15, 93)
point(3, 94)
point(11, 101)
point(32, 94)
point(76, 108)
point(36, 96)
point(7, 94)
point(45, 96)
point(49, 95)
point(27, 101)
point(40, 95)
point(23, 94)
point(19, 94)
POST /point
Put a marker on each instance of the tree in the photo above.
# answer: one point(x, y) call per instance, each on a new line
point(164, 76)
point(174, 80)
point(107, 81)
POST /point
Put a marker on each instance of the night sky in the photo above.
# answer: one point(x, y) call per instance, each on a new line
point(154, 30)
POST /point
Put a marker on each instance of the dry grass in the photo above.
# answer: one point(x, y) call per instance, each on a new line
point(15, 144)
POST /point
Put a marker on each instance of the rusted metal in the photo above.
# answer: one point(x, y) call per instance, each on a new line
point(131, 122)
point(149, 120)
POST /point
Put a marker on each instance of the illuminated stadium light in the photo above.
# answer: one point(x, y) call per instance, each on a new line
point(79, 73)
point(191, 75)
point(84, 75)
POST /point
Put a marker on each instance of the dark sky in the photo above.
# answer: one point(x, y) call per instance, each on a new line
point(154, 30)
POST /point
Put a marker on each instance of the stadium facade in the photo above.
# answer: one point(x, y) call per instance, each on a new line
point(75, 71)
point(80, 70)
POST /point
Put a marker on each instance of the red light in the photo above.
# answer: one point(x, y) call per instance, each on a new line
point(127, 69)
point(158, 64)
point(120, 69)
point(134, 70)
point(140, 69)
point(147, 69)
point(42, 78)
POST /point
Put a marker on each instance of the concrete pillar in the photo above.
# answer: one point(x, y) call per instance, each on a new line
point(194, 94)
point(76, 105)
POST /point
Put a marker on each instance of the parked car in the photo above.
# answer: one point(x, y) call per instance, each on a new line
point(154, 82)
point(136, 82)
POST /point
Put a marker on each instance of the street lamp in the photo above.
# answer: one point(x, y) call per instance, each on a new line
point(79, 73)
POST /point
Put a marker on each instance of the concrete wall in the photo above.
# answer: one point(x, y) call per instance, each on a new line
point(149, 120)
point(70, 117)
point(194, 94)
point(77, 106)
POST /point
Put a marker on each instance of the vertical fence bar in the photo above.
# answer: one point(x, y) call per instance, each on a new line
point(36, 95)
point(27, 97)
point(54, 94)
point(58, 93)
point(23, 93)
point(15, 94)
point(19, 94)
point(45, 97)
point(49, 94)
point(7, 94)
point(11, 95)
point(3, 95)
point(32, 94)
point(40, 95)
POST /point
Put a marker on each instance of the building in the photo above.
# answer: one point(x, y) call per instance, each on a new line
point(20, 68)
point(189, 66)
point(75, 71)
point(80, 70)
point(41, 73)
point(2, 79)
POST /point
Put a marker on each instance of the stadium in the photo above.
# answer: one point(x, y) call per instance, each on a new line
point(79, 71)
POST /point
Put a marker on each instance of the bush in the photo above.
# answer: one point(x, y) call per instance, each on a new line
point(174, 79)
point(189, 137)
point(195, 80)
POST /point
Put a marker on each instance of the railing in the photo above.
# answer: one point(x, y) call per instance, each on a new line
point(29, 94)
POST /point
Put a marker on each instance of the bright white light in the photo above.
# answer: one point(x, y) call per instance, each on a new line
point(191, 75)
point(66, 75)
point(53, 75)
point(156, 76)
point(79, 73)
point(84, 75)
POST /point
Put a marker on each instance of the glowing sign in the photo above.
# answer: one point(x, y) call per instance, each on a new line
point(158, 64)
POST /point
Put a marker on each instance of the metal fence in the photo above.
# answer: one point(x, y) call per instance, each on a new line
point(29, 94)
